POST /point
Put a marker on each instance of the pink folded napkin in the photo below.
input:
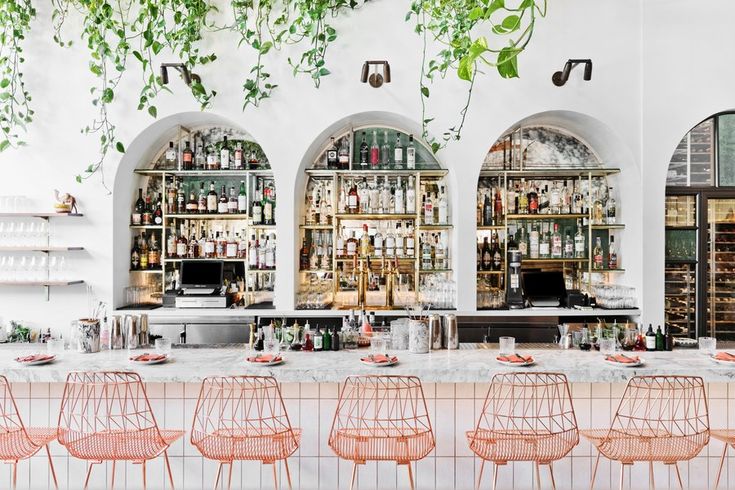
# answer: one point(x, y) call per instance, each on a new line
point(724, 356)
point(148, 357)
point(515, 359)
point(379, 358)
point(623, 359)
point(264, 358)
point(34, 358)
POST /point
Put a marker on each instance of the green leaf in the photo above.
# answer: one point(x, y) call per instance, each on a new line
point(508, 62)
point(476, 13)
point(107, 95)
point(512, 23)
point(4, 82)
point(78, 178)
point(119, 147)
point(4, 144)
point(425, 91)
point(153, 111)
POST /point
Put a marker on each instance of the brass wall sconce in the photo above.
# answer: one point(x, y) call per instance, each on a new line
point(375, 78)
point(183, 71)
point(560, 77)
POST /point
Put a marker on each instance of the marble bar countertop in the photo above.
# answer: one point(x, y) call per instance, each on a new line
point(471, 365)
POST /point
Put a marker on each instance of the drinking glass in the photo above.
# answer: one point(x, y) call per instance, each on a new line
point(378, 343)
point(607, 346)
point(707, 345)
point(55, 346)
point(163, 346)
point(507, 345)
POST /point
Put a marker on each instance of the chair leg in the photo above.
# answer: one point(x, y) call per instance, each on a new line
point(145, 480)
point(622, 475)
point(495, 475)
point(678, 476)
point(89, 473)
point(288, 473)
point(722, 463)
point(168, 469)
point(410, 475)
point(219, 471)
point(275, 475)
point(651, 482)
point(479, 477)
point(229, 477)
point(538, 475)
point(594, 470)
point(51, 466)
point(15, 475)
point(551, 473)
point(354, 474)
point(112, 480)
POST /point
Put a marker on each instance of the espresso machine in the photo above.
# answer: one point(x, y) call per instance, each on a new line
point(513, 290)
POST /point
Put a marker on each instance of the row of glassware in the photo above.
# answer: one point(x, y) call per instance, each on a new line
point(33, 268)
point(25, 232)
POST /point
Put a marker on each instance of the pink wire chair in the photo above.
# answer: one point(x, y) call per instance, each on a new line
point(18, 442)
point(526, 417)
point(106, 416)
point(381, 418)
point(660, 418)
point(243, 418)
point(728, 437)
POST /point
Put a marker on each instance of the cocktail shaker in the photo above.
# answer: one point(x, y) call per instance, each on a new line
point(131, 332)
point(450, 332)
point(143, 332)
point(435, 331)
point(116, 332)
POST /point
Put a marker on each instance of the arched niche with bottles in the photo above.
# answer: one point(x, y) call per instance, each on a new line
point(545, 193)
point(375, 224)
point(207, 193)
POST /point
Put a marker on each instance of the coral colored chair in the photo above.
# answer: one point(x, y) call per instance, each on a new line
point(243, 418)
point(526, 417)
point(17, 441)
point(660, 418)
point(381, 418)
point(106, 416)
point(728, 437)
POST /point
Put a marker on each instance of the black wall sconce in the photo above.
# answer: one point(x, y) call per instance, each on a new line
point(375, 78)
point(183, 71)
point(560, 77)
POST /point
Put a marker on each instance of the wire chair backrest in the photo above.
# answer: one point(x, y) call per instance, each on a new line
point(240, 405)
point(674, 406)
point(382, 405)
point(10, 420)
point(533, 403)
point(104, 402)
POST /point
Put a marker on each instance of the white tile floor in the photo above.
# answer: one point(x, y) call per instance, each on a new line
point(453, 410)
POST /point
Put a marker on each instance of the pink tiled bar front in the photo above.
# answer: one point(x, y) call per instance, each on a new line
point(454, 408)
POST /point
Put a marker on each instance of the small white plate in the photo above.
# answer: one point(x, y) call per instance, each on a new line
point(275, 362)
point(37, 362)
point(685, 342)
point(392, 362)
point(640, 362)
point(530, 362)
point(151, 362)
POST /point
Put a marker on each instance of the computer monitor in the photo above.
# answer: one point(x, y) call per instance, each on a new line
point(546, 288)
point(201, 274)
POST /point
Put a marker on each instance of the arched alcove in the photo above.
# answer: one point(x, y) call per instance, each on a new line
point(328, 259)
point(545, 190)
point(175, 161)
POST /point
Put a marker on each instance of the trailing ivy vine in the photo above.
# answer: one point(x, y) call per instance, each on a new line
point(15, 110)
point(115, 30)
point(453, 25)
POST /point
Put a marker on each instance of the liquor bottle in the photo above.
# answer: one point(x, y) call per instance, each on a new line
point(135, 255)
point(147, 218)
point(336, 341)
point(375, 151)
point(181, 244)
point(487, 255)
point(487, 211)
point(410, 153)
point(660, 341)
point(171, 198)
point(556, 245)
point(523, 245)
point(232, 203)
point(612, 254)
point(385, 151)
point(212, 159)
point(498, 209)
point(344, 155)
point(170, 156)
point(222, 203)
point(428, 210)
point(579, 242)
point(400, 242)
point(545, 245)
point(440, 255)
point(442, 207)
point(325, 215)
point(332, 158)
point(352, 245)
point(611, 207)
point(534, 243)
point(353, 201)
point(137, 216)
point(238, 161)
point(598, 213)
point(224, 155)
point(257, 212)
point(650, 339)
point(242, 199)
point(154, 254)
point(231, 247)
point(426, 263)
point(210, 248)
point(253, 252)
point(398, 197)
point(410, 197)
point(497, 256)
point(668, 340)
point(364, 152)
point(143, 245)
point(200, 159)
point(597, 254)
point(158, 213)
point(555, 202)
point(374, 196)
point(211, 199)
point(242, 246)
point(187, 157)
point(326, 340)
point(193, 246)
point(340, 249)
point(568, 246)
point(390, 243)
point(270, 252)
point(268, 205)
point(318, 338)
point(522, 198)
point(192, 205)
point(365, 242)
point(533, 203)
point(363, 192)
point(181, 199)
point(398, 152)
point(202, 201)
point(378, 243)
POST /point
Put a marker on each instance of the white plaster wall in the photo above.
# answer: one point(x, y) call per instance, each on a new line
point(608, 31)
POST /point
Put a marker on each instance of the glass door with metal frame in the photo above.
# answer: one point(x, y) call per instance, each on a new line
point(720, 272)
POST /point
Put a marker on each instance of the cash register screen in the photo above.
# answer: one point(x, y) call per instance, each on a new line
point(544, 285)
point(201, 274)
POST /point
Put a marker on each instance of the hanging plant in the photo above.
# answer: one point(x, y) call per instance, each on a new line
point(453, 24)
point(116, 30)
point(15, 110)
point(266, 25)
